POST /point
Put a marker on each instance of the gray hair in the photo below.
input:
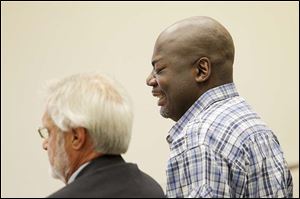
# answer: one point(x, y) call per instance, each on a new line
point(96, 103)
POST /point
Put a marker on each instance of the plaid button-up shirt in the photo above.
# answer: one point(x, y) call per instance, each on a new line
point(221, 148)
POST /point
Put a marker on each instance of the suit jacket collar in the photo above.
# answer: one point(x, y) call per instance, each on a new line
point(101, 162)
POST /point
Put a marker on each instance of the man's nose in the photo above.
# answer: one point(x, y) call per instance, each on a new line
point(45, 144)
point(151, 80)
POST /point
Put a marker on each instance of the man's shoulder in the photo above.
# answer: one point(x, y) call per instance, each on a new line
point(118, 180)
point(225, 125)
point(232, 115)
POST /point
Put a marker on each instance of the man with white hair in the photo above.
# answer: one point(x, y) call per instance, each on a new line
point(86, 126)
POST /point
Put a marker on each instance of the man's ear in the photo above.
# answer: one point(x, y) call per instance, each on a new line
point(203, 69)
point(79, 137)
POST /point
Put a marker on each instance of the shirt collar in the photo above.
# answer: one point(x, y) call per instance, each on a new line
point(203, 102)
point(74, 175)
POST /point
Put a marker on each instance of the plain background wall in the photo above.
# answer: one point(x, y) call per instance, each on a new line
point(45, 40)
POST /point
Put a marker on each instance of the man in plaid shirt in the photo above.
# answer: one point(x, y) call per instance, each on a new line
point(219, 146)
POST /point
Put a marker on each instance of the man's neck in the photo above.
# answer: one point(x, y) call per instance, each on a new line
point(78, 161)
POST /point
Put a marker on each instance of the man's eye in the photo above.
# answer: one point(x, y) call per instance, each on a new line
point(157, 71)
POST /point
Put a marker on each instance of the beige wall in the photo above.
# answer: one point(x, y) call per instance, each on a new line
point(45, 40)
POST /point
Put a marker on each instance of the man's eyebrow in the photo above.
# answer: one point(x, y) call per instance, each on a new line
point(155, 61)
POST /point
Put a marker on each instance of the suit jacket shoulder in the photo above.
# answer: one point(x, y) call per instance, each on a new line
point(110, 176)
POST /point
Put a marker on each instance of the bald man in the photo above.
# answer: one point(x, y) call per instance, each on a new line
point(219, 146)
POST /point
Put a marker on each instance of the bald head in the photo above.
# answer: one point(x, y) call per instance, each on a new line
point(196, 37)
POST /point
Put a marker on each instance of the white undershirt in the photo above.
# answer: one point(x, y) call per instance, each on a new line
point(74, 175)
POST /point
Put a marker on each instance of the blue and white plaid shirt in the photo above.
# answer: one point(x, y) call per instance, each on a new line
point(221, 148)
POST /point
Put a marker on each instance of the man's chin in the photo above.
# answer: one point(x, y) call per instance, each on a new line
point(55, 174)
point(164, 112)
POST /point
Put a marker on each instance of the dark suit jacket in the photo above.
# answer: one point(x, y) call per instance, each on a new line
point(110, 176)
